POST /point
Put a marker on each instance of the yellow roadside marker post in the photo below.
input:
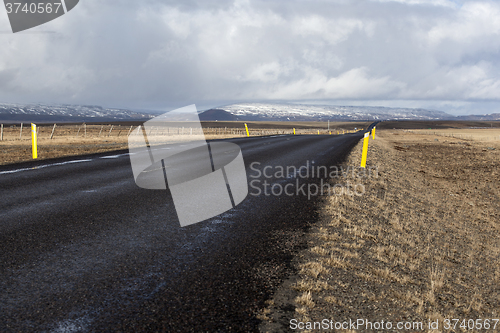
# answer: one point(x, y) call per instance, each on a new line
point(365, 149)
point(33, 141)
point(330, 132)
point(318, 132)
point(343, 131)
point(294, 131)
point(246, 127)
point(373, 132)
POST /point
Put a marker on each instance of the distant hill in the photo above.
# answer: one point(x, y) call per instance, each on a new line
point(242, 112)
point(486, 117)
point(302, 112)
point(217, 114)
point(298, 112)
point(69, 113)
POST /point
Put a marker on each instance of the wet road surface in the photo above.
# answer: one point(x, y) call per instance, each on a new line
point(83, 249)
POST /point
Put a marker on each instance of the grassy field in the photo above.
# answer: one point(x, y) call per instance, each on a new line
point(484, 134)
point(422, 243)
point(78, 139)
point(438, 124)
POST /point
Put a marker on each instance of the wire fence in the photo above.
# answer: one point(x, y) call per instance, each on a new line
point(12, 132)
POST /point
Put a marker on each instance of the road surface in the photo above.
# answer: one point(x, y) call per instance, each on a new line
point(83, 249)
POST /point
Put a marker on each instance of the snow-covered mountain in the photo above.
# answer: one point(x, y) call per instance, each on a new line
point(64, 112)
point(299, 112)
point(242, 111)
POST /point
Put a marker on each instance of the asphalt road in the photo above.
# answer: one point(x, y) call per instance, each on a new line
point(83, 249)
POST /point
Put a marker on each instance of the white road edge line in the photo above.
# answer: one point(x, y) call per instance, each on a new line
point(56, 164)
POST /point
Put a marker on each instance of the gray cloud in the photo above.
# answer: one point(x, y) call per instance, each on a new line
point(164, 54)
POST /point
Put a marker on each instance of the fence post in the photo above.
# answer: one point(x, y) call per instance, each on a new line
point(21, 132)
point(1, 134)
point(101, 130)
point(365, 149)
point(130, 130)
point(33, 141)
point(85, 129)
point(53, 129)
point(110, 130)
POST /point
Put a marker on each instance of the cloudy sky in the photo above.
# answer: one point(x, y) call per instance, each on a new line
point(152, 54)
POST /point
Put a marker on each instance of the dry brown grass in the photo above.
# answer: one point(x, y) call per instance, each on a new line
point(305, 299)
point(484, 134)
point(313, 269)
point(70, 140)
point(423, 242)
point(311, 286)
point(67, 141)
